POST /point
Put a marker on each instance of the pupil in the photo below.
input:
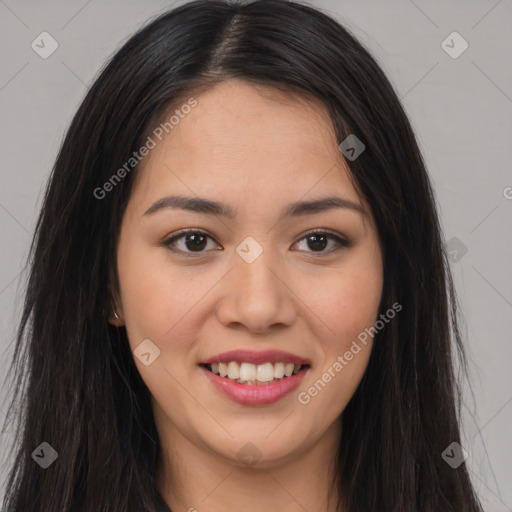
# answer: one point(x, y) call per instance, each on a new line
point(313, 237)
point(195, 239)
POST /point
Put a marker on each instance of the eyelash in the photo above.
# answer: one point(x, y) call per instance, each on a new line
point(341, 243)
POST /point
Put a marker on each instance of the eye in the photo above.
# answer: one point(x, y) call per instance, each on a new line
point(191, 241)
point(318, 240)
point(194, 242)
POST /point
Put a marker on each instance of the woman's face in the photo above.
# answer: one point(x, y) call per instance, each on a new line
point(269, 279)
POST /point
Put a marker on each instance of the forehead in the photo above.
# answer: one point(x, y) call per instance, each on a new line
point(237, 115)
point(245, 137)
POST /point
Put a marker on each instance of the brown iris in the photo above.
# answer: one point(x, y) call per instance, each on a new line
point(315, 246)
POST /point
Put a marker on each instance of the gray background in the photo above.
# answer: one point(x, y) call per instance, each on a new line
point(460, 108)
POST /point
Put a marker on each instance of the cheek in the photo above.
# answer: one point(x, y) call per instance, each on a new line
point(347, 305)
point(155, 298)
point(346, 302)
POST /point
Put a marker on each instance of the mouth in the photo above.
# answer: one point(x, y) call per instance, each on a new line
point(255, 378)
point(250, 374)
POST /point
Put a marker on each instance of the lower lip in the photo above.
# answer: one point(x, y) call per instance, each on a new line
point(264, 394)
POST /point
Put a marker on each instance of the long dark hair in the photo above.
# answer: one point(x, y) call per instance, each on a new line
point(75, 381)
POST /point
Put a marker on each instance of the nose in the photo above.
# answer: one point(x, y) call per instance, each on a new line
point(257, 296)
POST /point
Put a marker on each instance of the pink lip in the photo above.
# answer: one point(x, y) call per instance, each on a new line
point(249, 356)
point(246, 394)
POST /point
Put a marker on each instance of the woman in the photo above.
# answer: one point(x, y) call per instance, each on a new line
point(239, 294)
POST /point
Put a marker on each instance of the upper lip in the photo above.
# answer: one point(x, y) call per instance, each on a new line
point(250, 356)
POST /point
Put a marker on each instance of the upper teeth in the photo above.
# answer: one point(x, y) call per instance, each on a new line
point(248, 372)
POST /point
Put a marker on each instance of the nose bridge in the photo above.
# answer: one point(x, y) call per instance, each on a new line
point(254, 257)
point(256, 295)
point(258, 276)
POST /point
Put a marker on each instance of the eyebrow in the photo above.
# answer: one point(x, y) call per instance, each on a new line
point(209, 207)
